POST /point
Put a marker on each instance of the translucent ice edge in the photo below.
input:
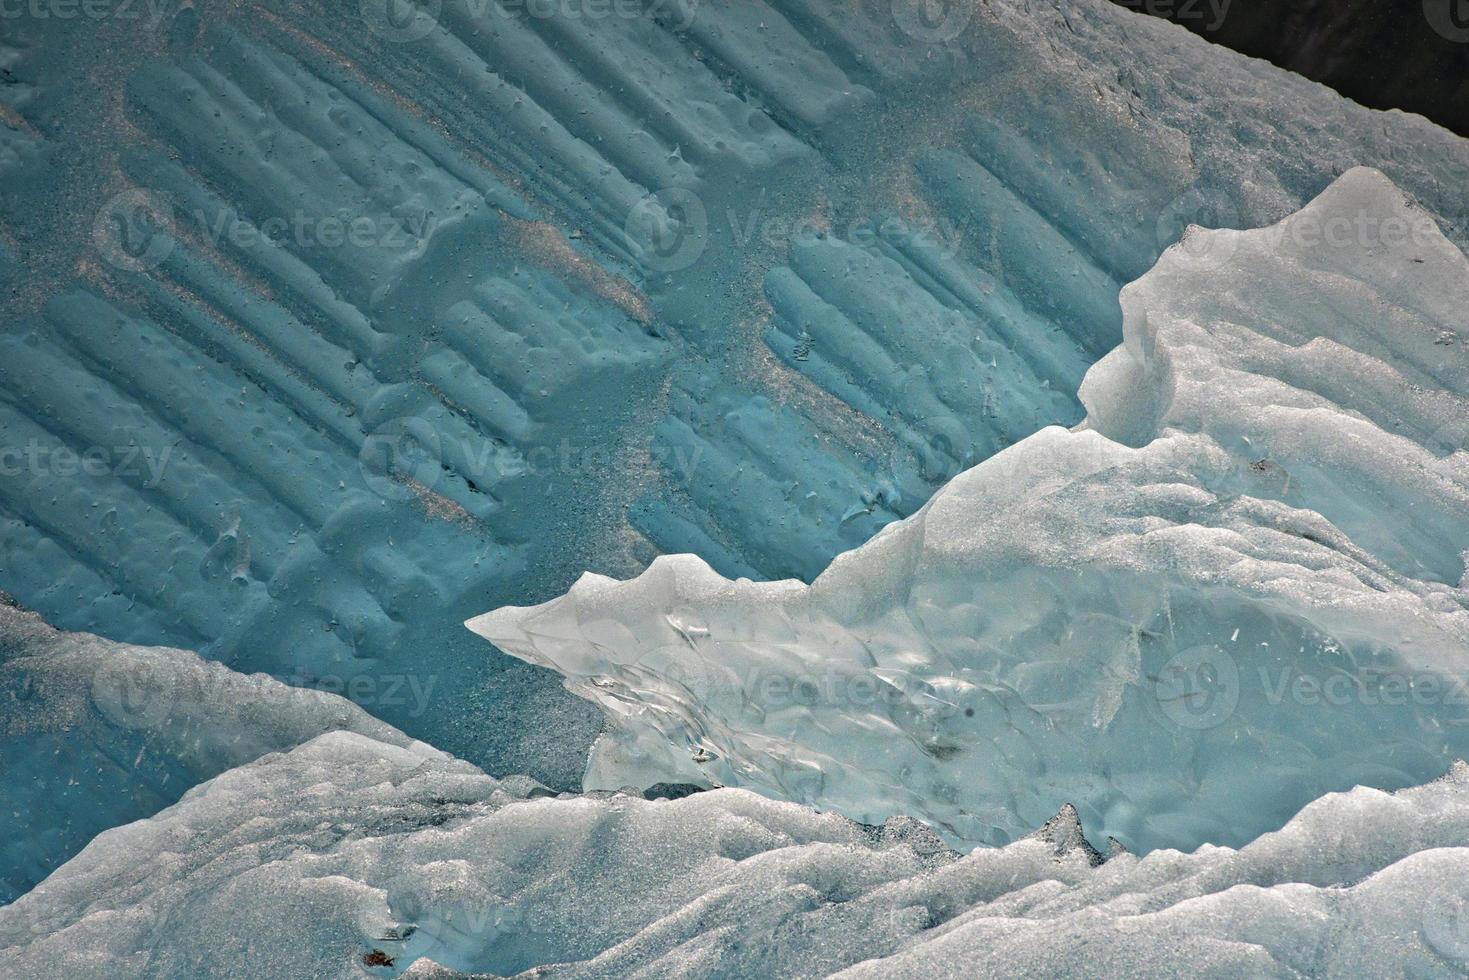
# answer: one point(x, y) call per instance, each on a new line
point(1237, 585)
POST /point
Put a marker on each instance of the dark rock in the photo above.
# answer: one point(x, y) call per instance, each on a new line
point(1385, 54)
point(671, 791)
point(1063, 832)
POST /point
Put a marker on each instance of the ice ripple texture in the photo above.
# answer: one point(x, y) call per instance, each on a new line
point(1237, 585)
point(324, 454)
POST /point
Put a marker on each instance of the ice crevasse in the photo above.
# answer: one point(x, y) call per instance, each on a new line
point(1237, 585)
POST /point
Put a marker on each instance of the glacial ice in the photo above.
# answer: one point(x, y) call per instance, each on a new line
point(318, 460)
point(86, 722)
point(910, 252)
point(1237, 585)
point(350, 857)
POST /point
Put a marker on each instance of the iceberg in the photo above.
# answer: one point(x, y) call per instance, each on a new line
point(320, 336)
point(1238, 584)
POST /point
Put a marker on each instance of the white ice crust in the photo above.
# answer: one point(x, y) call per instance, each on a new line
point(1237, 585)
point(349, 857)
point(94, 733)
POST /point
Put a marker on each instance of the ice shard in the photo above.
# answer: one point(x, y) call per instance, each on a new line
point(1238, 584)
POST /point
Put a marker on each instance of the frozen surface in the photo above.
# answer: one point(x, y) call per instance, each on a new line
point(743, 278)
point(347, 857)
point(619, 285)
point(94, 733)
point(1237, 585)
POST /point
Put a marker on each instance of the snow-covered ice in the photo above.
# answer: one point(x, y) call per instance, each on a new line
point(350, 857)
